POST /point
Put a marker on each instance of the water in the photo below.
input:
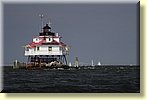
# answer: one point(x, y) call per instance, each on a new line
point(110, 79)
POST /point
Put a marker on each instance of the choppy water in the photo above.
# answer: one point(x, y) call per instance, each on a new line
point(111, 79)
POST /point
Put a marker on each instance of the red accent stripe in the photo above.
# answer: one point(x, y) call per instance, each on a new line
point(54, 42)
point(34, 44)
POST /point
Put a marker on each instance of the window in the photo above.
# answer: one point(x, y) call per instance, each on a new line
point(49, 39)
point(60, 48)
point(37, 40)
point(37, 48)
point(27, 49)
point(49, 48)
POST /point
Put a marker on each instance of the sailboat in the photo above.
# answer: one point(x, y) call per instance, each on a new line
point(92, 64)
point(99, 63)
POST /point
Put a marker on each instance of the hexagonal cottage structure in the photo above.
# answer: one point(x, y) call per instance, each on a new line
point(46, 49)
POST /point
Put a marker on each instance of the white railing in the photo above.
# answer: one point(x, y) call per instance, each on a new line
point(43, 53)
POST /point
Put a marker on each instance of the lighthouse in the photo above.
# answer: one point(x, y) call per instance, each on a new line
point(46, 50)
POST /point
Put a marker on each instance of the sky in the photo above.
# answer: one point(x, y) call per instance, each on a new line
point(100, 32)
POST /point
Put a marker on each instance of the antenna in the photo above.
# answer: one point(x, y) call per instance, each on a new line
point(41, 17)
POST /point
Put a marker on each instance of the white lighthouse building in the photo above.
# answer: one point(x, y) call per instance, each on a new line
point(46, 49)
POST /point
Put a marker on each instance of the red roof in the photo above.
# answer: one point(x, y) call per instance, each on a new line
point(63, 44)
point(54, 42)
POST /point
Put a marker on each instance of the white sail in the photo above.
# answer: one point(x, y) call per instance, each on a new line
point(99, 63)
point(92, 63)
point(69, 63)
